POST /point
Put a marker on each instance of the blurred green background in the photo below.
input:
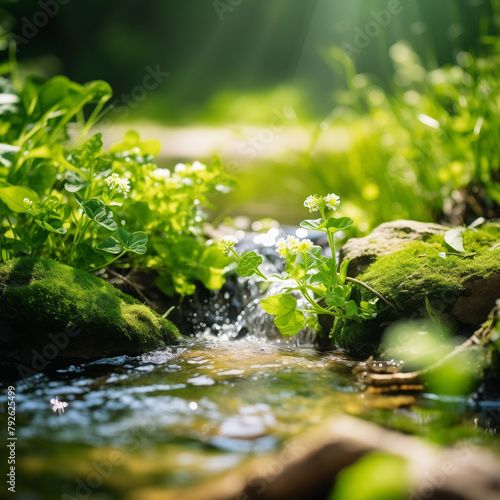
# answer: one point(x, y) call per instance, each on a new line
point(402, 128)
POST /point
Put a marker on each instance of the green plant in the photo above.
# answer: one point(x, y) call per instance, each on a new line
point(324, 285)
point(67, 198)
point(418, 139)
point(169, 206)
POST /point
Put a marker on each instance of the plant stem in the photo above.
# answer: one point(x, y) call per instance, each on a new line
point(380, 296)
point(331, 243)
point(107, 263)
point(93, 118)
point(316, 307)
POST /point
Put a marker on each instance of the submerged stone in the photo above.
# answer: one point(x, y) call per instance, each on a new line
point(455, 289)
point(49, 311)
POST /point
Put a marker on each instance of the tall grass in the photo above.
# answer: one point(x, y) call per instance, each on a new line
point(427, 148)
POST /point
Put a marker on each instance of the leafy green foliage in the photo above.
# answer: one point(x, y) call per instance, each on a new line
point(13, 197)
point(284, 307)
point(96, 210)
point(413, 145)
point(437, 136)
point(122, 241)
point(72, 200)
point(316, 277)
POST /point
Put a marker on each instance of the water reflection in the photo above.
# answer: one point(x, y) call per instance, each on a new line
point(175, 415)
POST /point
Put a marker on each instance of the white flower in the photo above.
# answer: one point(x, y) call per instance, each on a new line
point(313, 203)
point(281, 247)
point(226, 244)
point(161, 173)
point(118, 184)
point(27, 203)
point(180, 168)
point(197, 166)
point(173, 181)
point(292, 246)
point(304, 245)
point(332, 201)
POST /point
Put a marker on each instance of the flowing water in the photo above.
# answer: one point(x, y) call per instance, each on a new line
point(137, 427)
point(173, 416)
point(176, 417)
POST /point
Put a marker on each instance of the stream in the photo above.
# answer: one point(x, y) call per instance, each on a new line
point(135, 427)
point(178, 416)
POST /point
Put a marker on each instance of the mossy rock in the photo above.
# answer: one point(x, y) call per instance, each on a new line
point(50, 311)
point(460, 289)
point(491, 384)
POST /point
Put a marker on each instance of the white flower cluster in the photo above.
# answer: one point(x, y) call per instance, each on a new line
point(180, 168)
point(314, 202)
point(161, 173)
point(28, 203)
point(332, 201)
point(226, 244)
point(118, 184)
point(292, 246)
point(197, 166)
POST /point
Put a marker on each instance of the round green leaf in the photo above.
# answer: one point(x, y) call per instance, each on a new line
point(313, 224)
point(99, 212)
point(338, 224)
point(284, 306)
point(110, 245)
point(135, 242)
point(248, 264)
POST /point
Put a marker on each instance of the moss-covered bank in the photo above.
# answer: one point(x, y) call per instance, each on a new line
point(49, 310)
point(460, 289)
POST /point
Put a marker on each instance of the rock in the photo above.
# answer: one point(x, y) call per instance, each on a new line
point(384, 239)
point(490, 387)
point(459, 289)
point(51, 312)
point(309, 465)
point(476, 300)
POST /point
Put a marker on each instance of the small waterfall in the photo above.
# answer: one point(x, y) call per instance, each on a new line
point(235, 313)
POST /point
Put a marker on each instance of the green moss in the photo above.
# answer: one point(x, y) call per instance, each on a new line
point(413, 274)
point(38, 297)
